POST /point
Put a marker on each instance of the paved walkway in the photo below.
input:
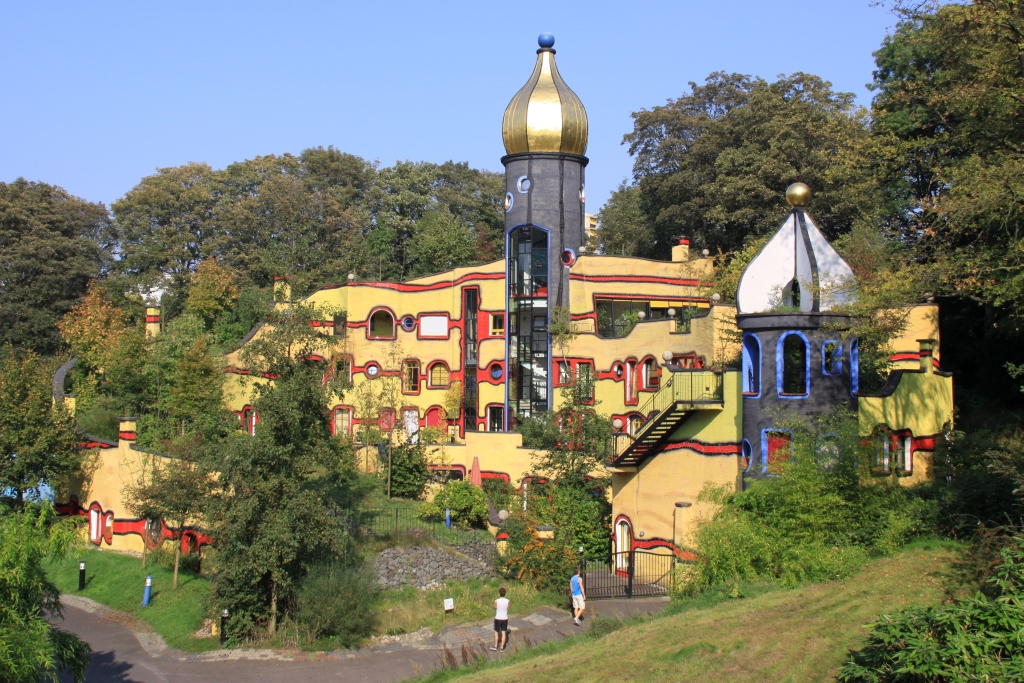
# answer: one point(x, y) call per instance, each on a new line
point(127, 651)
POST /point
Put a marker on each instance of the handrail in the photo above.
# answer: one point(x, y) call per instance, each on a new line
point(686, 386)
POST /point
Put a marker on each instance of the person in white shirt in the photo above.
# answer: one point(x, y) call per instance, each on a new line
point(500, 621)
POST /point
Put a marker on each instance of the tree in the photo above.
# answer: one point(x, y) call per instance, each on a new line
point(273, 516)
point(715, 163)
point(623, 229)
point(409, 471)
point(50, 250)
point(442, 242)
point(949, 88)
point(31, 649)
point(93, 327)
point(212, 290)
point(174, 489)
point(37, 436)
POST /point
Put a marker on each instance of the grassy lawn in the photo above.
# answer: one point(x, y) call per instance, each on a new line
point(776, 635)
point(409, 609)
point(118, 581)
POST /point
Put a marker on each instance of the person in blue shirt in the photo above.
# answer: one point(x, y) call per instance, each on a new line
point(579, 597)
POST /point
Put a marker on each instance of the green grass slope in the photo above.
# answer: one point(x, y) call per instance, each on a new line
point(787, 635)
point(118, 581)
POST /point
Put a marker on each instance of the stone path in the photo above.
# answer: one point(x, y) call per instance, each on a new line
point(128, 651)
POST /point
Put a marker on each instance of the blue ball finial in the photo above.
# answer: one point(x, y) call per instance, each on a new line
point(546, 40)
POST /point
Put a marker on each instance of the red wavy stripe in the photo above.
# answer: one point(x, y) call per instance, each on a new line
point(705, 448)
point(405, 287)
point(635, 278)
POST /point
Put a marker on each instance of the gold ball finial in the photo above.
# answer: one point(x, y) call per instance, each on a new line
point(798, 194)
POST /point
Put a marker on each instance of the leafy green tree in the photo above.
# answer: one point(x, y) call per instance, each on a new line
point(409, 471)
point(212, 290)
point(32, 650)
point(37, 436)
point(714, 164)
point(166, 225)
point(442, 242)
point(272, 519)
point(50, 247)
point(466, 501)
point(174, 489)
point(623, 229)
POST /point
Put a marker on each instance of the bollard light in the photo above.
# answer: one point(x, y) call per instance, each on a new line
point(148, 592)
point(81, 576)
point(223, 626)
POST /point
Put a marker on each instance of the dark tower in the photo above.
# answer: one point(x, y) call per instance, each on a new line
point(795, 361)
point(545, 134)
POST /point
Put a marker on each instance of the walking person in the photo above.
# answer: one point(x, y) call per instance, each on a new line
point(579, 597)
point(500, 621)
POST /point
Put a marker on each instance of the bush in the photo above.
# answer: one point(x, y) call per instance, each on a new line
point(337, 602)
point(467, 503)
point(545, 565)
point(409, 471)
point(816, 521)
point(975, 639)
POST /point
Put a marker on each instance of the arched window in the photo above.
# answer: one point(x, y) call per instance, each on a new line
point(751, 365)
point(793, 373)
point(342, 421)
point(382, 325)
point(831, 357)
point(438, 376)
point(854, 366)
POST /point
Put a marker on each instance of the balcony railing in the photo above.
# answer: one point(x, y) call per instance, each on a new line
point(690, 389)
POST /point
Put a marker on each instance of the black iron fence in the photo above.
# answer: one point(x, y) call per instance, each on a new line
point(383, 521)
point(629, 574)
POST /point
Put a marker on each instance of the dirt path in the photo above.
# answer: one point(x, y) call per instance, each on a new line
point(127, 652)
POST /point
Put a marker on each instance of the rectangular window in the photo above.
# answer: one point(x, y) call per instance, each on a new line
point(386, 419)
point(564, 373)
point(584, 382)
point(882, 453)
point(411, 377)
point(340, 325)
point(342, 422)
point(496, 419)
point(779, 449)
point(497, 324)
point(904, 454)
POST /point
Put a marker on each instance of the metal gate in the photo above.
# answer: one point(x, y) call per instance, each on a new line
point(629, 574)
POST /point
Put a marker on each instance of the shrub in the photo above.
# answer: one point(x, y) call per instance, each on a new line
point(337, 602)
point(467, 503)
point(814, 522)
point(976, 639)
point(409, 471)
point(543, 564)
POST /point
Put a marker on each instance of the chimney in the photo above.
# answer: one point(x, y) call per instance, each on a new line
point(126, 429)
point(681, 251)
point(282, 289)
point(927, 347)
point(152, 321)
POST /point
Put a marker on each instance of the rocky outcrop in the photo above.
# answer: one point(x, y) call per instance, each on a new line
point(425, 567)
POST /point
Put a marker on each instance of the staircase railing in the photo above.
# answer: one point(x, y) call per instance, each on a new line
point(684, 386)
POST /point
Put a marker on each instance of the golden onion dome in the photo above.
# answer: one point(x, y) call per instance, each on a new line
point(545, 116)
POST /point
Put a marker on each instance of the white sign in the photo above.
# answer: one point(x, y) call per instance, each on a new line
point(449, 604)
point(434, 326)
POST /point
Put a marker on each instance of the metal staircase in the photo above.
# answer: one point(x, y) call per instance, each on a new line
point(683, 394)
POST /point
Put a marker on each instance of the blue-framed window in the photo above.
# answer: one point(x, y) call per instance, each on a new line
point(792, 366)
point(854, 366)
point(751, 365)
point(776, 450)
point(831, 357)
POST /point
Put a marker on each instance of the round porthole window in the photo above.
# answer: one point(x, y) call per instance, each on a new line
point(568, 257)
point(509, 201)
point(496, 371)
point(408, 323)
point(523, 184)
point(618, 371)
point(372, 370)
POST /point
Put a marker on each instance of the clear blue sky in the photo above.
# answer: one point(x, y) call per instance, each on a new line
point(96, 95)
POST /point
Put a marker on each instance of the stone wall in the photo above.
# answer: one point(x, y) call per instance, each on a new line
point(426, 567)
